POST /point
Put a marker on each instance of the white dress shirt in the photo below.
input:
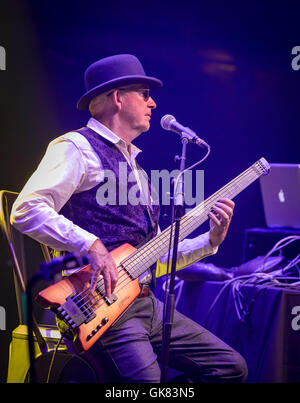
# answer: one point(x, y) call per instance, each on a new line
point(70, 165)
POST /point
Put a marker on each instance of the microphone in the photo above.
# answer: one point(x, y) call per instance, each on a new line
point(168, 122)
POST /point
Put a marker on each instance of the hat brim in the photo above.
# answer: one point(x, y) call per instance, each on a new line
point(84, 101)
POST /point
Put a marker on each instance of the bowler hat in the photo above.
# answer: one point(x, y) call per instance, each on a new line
point(113, 72)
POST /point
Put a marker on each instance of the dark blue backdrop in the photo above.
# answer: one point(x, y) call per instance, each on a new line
point(226, 68)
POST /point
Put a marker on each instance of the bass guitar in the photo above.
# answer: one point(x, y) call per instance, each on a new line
point(88, 314)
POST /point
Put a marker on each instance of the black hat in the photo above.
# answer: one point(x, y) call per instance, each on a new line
point(112, 72)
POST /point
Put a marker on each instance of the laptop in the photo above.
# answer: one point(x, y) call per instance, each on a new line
point(281, 196)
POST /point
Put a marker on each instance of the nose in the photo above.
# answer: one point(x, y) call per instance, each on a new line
point(151, 103)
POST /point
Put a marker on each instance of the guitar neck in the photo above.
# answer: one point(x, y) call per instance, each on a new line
point(139, 261)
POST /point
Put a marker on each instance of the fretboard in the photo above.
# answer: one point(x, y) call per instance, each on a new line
point(140, 260)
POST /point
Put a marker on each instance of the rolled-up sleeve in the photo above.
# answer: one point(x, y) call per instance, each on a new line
point(189, 252)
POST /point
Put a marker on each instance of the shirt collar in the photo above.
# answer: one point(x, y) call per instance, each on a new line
point(105, 132)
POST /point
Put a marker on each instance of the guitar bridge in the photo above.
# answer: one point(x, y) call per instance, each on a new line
point(75, 312)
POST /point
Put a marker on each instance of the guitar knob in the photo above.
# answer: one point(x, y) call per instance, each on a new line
point(104, 321)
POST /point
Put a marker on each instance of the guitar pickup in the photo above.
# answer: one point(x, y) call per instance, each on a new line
point(101, 290)
point(110, 300)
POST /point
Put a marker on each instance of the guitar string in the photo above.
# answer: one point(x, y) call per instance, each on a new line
point(161, 243)
point(95, 299)
point(188, 217)
point(91, 297)
point(186, 220)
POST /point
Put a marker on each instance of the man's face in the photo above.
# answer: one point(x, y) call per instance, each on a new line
point(137, 107)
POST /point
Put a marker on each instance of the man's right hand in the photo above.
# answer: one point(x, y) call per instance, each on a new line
point(103, 264)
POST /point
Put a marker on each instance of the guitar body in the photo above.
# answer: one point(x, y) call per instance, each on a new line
point(103, 313)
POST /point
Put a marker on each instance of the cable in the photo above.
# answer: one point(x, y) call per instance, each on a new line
point(278, 246)
point(292, 263)
point(53, 356)
point(189, 168)
point(259, 279)
point(173, 217)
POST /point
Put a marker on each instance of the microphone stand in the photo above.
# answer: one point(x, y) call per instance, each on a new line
point(170, 297)
point(30, 321)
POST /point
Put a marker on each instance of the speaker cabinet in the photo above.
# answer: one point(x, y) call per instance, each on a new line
point(66, 368)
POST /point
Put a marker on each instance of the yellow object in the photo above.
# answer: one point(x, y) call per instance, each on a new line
point(19, 364)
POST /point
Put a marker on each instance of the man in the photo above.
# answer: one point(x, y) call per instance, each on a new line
point(61, 207)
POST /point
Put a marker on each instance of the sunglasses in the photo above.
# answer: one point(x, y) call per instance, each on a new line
point(145, 92)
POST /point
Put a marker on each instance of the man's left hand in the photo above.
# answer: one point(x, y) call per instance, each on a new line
point(220, 217)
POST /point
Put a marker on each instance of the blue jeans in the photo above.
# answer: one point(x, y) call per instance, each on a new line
point(130, 350)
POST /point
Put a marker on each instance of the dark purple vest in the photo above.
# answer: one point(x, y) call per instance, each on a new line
point(113, 224)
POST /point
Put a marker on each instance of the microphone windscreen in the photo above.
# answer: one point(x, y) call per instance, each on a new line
point(166, 121)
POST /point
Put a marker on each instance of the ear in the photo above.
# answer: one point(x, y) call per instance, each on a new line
point(117, 99)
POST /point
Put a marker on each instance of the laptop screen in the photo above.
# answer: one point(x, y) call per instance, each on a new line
point(281, 196)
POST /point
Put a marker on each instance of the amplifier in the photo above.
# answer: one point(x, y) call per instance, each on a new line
point(259, 241)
